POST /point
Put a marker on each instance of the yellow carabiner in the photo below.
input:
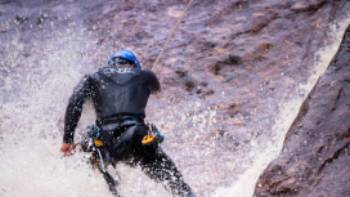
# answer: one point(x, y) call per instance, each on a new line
point(98, 143)
point(148, 139)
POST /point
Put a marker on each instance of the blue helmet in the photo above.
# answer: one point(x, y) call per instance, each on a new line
point(125, 55)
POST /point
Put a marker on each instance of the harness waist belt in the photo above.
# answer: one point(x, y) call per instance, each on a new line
point(121, 119)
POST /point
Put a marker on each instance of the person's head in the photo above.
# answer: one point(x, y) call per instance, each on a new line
point(124, 59)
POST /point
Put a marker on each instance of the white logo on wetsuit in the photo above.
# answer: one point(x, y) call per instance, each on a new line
point(125, 70)
point(119, 70)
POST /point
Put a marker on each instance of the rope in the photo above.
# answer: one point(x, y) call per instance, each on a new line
point(171, 34)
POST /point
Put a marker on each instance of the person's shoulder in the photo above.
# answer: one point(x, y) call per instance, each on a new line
point(148, 73)
point(152, 80)
point(97, 73)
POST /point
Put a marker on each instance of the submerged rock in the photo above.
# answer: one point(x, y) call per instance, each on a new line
point(315, 158)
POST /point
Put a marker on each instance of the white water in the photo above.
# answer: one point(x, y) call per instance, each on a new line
point(31, 126)
point(31, 122)
point(31, 164)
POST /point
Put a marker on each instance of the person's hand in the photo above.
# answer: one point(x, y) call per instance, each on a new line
point(67, 149)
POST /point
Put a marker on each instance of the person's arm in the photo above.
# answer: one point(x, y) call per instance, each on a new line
point(74, 108)
point(152, 81)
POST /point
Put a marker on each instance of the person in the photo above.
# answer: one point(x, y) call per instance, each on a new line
point(119, 92)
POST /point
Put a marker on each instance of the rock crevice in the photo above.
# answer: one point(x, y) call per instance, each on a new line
point(315, 157)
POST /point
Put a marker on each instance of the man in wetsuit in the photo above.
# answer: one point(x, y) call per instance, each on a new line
point(120, 92)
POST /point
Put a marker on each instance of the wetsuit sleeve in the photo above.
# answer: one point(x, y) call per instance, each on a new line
point(152, 81)
point(74, 108)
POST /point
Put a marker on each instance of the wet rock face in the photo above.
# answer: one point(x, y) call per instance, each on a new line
point(224, 74)
point(315, 158)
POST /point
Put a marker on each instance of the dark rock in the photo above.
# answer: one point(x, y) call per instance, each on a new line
point(239, 4)
point(258, 52)
point(315, 158)
point(208, 93)
point(229, 61)
point(188, 82)
point(21, 19)
point(233, 109)
point(41, 19)
point(189, 85)
point(181, 73)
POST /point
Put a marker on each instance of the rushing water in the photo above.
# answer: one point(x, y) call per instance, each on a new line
point(34, 93)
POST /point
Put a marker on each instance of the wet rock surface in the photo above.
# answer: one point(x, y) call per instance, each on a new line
point(315, 157)
point(225, 74)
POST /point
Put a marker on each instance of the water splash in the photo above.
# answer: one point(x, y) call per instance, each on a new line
point(37, 89)
point(29, 145)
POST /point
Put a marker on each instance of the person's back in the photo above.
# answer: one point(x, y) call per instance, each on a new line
point(121, 88)
point(120, 93)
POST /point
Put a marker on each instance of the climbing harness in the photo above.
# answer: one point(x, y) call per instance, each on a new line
point(171, 34)
point(94, 135)
point(99, 157)
point(153, 135)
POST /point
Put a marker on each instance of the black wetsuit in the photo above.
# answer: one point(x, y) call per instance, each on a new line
point(120, 97)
